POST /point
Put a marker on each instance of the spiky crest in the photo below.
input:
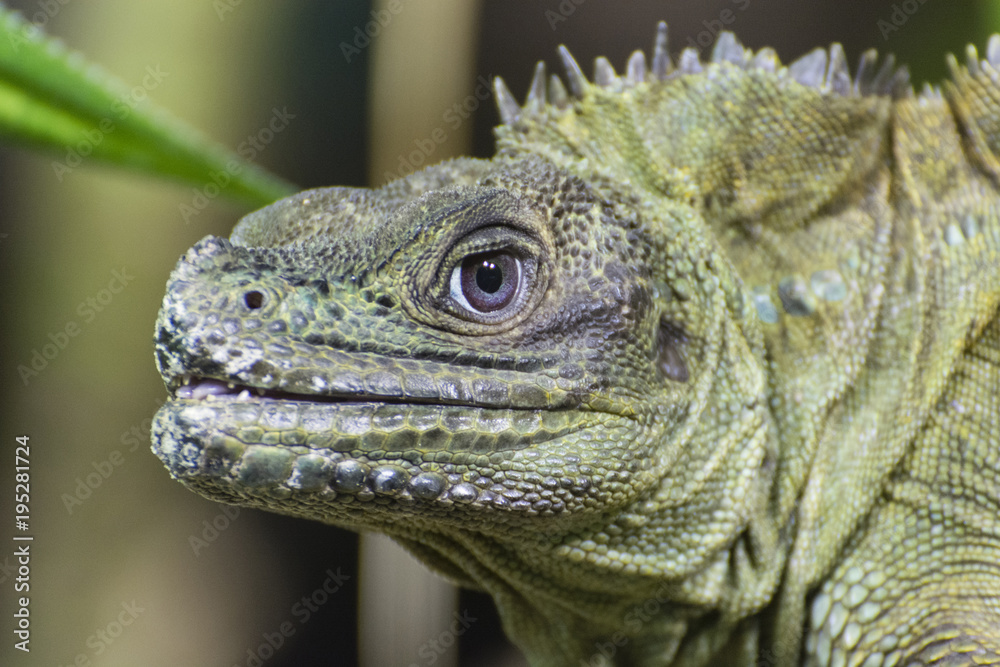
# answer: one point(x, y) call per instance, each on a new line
point(823, 69)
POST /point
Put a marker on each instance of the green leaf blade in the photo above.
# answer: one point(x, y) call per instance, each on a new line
point(52, 98)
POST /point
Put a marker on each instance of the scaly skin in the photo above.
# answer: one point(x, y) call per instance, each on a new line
point(702, 368)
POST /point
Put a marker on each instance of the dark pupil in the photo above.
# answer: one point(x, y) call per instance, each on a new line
point(489, 277)
point(489, 280)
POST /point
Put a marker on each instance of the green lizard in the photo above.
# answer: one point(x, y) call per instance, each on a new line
point(703, 367)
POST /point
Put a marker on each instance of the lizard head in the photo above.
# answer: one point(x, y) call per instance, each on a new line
point(478, 341)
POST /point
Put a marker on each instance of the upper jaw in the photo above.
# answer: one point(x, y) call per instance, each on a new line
point(199, 363)
point(329, 375)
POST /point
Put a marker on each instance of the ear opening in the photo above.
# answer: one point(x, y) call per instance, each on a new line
point(669, 360)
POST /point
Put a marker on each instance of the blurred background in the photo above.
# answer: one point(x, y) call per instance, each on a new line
point(130, 568)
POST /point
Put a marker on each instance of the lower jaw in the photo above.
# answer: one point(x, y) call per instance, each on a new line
point(351, 456)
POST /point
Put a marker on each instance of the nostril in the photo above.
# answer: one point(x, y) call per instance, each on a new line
point(253, 299)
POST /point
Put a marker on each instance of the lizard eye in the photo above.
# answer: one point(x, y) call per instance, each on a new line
point(486, 282)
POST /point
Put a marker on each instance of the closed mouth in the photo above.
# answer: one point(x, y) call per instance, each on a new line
point(205, 389)
point(195, 388)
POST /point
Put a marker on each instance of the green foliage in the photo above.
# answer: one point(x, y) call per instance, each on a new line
point(52, 98)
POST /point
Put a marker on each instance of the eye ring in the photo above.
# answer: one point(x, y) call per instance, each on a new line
point(484, 283)
point(505, 277)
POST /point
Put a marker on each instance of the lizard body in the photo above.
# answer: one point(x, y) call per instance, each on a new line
point(702, 368)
